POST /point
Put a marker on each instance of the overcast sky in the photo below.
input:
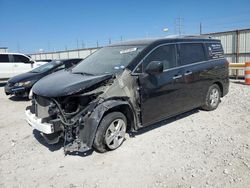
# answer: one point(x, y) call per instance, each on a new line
point(30, 25)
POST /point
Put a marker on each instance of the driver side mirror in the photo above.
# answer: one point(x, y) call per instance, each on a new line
point(154, 67)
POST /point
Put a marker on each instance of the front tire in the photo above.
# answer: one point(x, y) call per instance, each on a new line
point(212, 98)
point(111, 132)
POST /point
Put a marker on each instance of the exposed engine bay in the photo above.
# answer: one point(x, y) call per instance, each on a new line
point(76, 116)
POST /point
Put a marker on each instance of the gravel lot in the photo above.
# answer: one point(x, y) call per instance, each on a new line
point(196, 149)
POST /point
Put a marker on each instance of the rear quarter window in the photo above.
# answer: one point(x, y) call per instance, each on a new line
point(4, 58)
point(192, 53)
point(21, 59)
point(215, 50)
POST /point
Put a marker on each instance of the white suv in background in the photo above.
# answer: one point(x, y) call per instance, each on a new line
point(12, 64)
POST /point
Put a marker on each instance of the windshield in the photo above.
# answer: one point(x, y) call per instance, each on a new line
point(108, 60)
point(45, 67)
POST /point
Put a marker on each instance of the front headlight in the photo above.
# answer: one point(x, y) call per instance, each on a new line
point(19, 84)
point(31, 94)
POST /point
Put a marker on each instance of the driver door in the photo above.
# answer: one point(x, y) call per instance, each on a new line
point(162, 94)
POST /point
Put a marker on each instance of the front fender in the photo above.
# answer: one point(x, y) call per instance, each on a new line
point(91, 122)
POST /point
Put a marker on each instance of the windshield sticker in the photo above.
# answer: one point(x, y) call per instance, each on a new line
point(128, 50)
point(215, 51)
point(119, 67)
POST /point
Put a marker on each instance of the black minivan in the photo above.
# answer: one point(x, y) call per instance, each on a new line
point(128, 86)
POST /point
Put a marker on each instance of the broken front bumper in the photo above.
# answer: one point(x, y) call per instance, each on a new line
point(16, 90)
point(37, 124)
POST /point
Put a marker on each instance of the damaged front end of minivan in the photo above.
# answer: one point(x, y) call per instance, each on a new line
point(72, 108)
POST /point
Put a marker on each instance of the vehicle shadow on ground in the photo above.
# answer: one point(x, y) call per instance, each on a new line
point(41, 140)
point(18, 98)
point(239, 82)
point(58, 146)
point(2, 84)
point(163, 123)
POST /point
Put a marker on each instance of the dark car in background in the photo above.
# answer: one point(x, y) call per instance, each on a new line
point(128, 86)
point(21, 84)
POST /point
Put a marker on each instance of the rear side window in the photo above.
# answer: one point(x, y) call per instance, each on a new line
point(4, 58)
point(192, 53)
point(215, 50)
point(20, 58)
point(166, 54)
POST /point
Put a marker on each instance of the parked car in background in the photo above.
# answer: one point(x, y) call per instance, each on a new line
point(129, 85)
point(20, 85)
point(12, 64)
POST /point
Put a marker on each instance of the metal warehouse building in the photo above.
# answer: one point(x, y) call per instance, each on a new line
point(236, 46)
point(78, 53)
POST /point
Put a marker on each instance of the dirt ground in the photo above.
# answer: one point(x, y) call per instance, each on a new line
point(195, 149)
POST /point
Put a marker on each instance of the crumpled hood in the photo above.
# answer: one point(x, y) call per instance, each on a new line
point(65, 83)
point(25, 77)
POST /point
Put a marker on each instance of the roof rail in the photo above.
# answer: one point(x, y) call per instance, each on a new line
point(188, 36)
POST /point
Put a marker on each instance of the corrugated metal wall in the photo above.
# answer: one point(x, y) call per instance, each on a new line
point(79, 53)
point(236, 45)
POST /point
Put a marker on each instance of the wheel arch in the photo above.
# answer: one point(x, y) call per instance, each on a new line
point(220, 86)
point(93, 121)
point(126, 110)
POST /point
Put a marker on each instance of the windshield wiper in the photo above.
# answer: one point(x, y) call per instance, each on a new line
point(83, 73)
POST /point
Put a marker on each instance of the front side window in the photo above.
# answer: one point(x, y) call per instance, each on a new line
point(108, 60)
point(4, 58)
point(20, 58)
point(191, 53)
point(166, 54)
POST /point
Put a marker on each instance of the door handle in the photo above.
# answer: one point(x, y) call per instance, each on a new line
point(177, 76)
point(188, 73)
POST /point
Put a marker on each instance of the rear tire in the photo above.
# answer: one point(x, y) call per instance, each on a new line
point(212, 98)
point(111, 132)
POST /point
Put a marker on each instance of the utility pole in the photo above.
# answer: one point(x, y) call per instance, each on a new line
point(200, 28)
point(97, 44)
point(121, 38)
point(109, 40)
point(179, 26)
point(77, 43)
